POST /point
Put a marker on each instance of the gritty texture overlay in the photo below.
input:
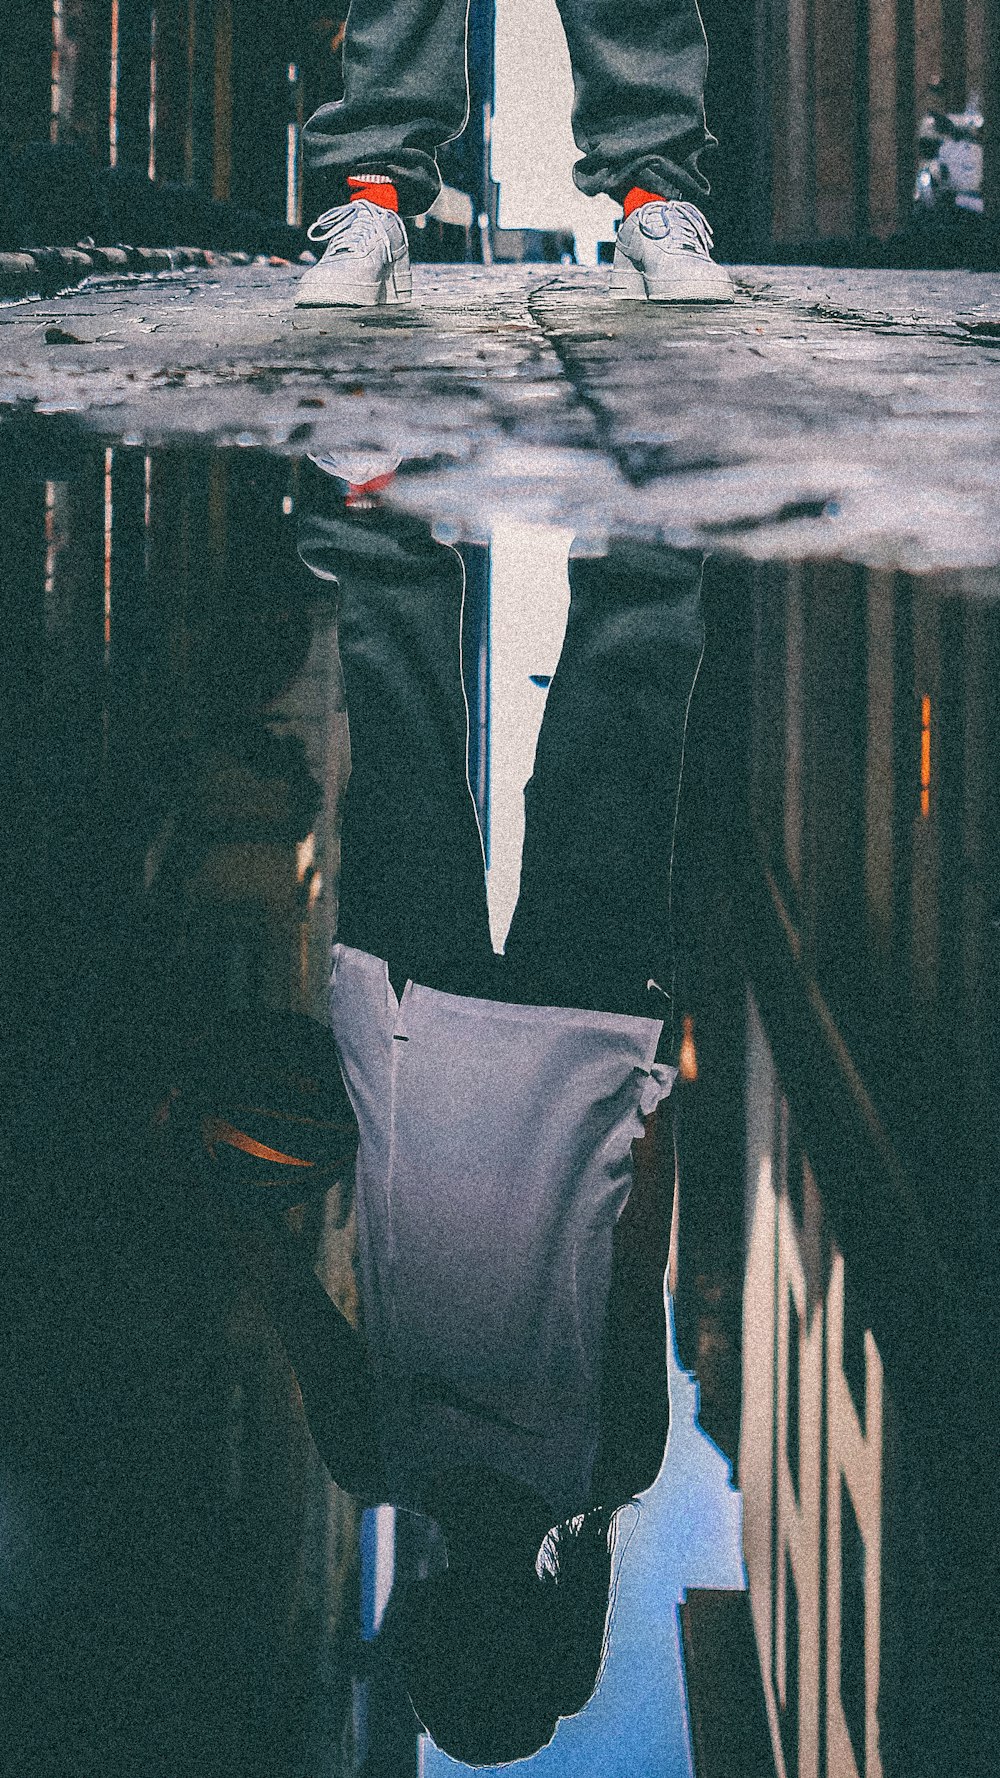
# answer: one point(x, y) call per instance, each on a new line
point(824, 413)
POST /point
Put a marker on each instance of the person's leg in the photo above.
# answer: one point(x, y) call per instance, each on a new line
point(412, 883)
point(405, 94)
point(639, 111)
point(592, 925)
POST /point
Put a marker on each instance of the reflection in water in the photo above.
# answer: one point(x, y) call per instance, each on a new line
point(687, 1535)
point(875, 810)
point(260, 721)
point(203, 619)
point(851, 1361)
point(496, 1127)
point(181, 755)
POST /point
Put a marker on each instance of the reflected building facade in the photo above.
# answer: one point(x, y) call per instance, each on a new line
point(811, 1455)
point(869, 940)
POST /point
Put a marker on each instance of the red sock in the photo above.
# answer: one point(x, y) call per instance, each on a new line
point(637, 196)
point(375, 188)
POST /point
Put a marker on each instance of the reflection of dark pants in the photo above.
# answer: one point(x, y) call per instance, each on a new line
point(638, 115)
point(592, 924)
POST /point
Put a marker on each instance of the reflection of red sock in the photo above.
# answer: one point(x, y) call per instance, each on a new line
point(637, 196)
point(363, 493)
point(377, 188)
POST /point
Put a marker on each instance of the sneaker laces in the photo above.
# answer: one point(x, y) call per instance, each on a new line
point(351, 224)
point(685, 223)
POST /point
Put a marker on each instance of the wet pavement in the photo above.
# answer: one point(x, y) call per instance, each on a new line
point(489, 720)
point(849, 414)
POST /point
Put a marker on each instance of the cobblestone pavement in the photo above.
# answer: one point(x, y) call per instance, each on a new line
point(843, 413)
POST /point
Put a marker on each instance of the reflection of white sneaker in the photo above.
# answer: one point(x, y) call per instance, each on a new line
point(664, 252)
point(362, 477)
point(357, 468)
point(366, 263)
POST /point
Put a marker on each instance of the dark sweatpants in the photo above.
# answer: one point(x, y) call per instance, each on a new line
point(638, 115)
point(592, 924)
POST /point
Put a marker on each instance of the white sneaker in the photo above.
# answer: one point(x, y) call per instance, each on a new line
point(366, 263)
point(664, 252)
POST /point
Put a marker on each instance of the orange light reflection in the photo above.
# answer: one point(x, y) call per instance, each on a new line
point(688, 1059)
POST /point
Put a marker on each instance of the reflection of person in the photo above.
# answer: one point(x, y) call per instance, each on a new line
point(502, 1390)
point(638, 118)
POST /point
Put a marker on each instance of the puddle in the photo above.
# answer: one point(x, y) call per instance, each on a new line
point(576, 817)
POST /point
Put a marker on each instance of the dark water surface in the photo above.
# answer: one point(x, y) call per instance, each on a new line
point(196, 644)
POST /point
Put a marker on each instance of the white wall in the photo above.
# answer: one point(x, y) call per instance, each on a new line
point(529, 606)
point(533, 149)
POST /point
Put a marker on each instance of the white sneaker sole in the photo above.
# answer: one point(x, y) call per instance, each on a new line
point(340, 292)
point(693, 281)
